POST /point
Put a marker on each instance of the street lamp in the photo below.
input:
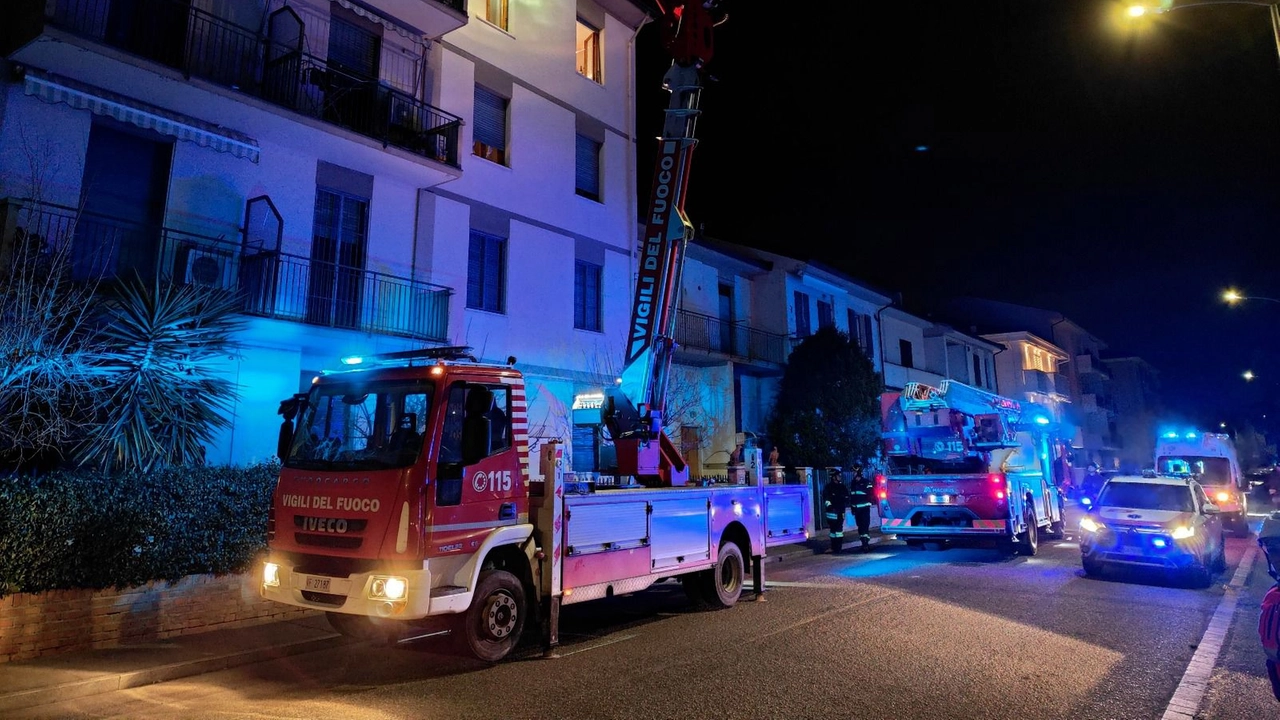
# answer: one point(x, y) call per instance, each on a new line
point(1164, 6)
point(1247, 375)
point(1231, 296)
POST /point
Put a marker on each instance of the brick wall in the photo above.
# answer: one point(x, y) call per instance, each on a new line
point(58, 621)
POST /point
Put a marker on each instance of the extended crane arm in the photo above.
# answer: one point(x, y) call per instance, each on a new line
point(635, 409)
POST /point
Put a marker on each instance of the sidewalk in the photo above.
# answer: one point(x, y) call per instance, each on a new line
point(41, 681)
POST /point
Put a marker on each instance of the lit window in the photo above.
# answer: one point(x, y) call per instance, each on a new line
point(495, 11)
point(589, 51)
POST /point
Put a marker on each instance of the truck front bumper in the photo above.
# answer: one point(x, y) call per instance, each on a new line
point(356, 594)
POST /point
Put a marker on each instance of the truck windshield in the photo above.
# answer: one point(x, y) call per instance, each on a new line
point(916, 465)
point(362, 425)
point(1212, 470)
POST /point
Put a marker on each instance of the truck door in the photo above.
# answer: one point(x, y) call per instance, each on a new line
point(479, 485)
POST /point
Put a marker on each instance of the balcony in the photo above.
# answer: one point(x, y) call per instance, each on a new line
point(1045, 383)
point(270, 284)
point(1087, 364)
point(695, 331)
point(274, 67)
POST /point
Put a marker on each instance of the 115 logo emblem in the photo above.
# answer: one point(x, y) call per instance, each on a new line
point(494, 481)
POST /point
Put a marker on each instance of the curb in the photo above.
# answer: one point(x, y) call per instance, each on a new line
point(112, 682)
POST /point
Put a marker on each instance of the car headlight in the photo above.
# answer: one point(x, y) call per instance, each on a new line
point(1223, 497)
point(384, 587)
point(1183, 532)
point(271, 574)
point(1087, 524)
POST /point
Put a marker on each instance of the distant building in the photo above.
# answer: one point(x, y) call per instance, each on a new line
point(1135, 395)
point(1028, 369)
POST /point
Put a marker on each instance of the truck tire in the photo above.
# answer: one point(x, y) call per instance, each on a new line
point(1029, 540)
point(491, 627)
point(722, 585)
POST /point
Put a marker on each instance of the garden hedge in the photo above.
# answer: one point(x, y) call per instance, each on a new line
point(87, 529)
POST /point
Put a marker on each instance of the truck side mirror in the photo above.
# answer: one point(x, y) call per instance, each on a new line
point(285, 440)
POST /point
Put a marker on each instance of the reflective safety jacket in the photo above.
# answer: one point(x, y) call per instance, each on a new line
point(862, 491)
point(835, 498)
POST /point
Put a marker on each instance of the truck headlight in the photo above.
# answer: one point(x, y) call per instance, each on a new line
point(1088, 525)
point(1183, 532)
point(388, 587)
point(271, 574)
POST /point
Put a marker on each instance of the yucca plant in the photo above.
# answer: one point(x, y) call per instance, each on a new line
point(161, 398)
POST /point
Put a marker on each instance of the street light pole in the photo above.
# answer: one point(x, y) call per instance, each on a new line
point(1232, 296)
point(1136, 11)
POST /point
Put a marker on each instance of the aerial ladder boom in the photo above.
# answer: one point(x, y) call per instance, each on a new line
point(635, 408)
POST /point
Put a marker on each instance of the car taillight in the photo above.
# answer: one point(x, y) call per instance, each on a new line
point(882, 487)
point(271, 523)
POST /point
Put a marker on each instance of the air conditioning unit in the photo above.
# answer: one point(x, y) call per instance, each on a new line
point(195, 265)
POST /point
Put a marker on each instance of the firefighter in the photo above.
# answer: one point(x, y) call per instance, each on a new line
point(1269, 617)
point(835, 498)
point(861, 490)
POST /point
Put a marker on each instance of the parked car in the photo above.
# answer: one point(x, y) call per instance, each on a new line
point(1158, 522)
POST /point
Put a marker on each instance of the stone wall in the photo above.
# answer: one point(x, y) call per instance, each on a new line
point(43, 624)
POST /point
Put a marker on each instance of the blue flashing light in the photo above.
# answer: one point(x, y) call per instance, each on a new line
point(1191, 436)
point(1171, 434)
point(1042, 420)
point(1159, 542)
point(922, 148)
point(1085, 501)
point(352, 360)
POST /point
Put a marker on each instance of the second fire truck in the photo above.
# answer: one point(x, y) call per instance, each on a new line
point(965, 464)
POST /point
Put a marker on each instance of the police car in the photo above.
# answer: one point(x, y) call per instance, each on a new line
point(1159, 522)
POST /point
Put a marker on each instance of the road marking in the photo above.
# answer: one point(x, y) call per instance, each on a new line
point(595, 646)
point(1186, 699)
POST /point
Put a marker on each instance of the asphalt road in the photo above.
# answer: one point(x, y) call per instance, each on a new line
point(895, 634)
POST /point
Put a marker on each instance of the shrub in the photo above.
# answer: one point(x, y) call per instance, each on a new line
point(88, 529)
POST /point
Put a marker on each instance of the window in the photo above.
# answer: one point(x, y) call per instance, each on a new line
point(1034, 358)
point(977, 370)
point(490, 137)
point(589, 51)
point(587, 168)
point(353, 50)
point(905, 354)
point(495, 11)
point(338, 246)
point(803, 328)
point(586, 296)
point(860, 331)
point(826, 314)
point(486, 272)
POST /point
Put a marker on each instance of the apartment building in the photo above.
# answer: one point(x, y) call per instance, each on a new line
point(369, 175)
point(917, 349)
point(1030, 368)
point(1082, 378)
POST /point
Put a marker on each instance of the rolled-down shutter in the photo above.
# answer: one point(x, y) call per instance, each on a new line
point(491, 119)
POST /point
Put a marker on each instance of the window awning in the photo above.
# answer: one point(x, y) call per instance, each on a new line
point(53, 90)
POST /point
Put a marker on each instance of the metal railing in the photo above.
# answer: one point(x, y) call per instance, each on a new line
point(270, 284)
point(704, 332)
point(204, 45)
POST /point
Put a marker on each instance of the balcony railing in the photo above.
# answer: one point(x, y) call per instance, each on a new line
point(703, 332)
point(206, 46)
point(270, 284)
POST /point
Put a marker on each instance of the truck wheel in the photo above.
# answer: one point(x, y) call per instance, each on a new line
point(1091, 567)
point(723, 583)
point(1029, 540)
point(491, 627)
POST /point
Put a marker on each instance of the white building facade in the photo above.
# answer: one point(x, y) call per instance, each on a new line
point(370, 175)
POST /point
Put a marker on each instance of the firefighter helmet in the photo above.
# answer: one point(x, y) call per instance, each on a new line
point(1269, 540)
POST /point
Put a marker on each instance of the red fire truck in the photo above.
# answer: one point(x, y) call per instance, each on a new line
point(966, 464)
point(406, 502)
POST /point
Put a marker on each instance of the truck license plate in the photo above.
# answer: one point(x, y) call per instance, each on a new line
point(940, 499)
point(318, 584)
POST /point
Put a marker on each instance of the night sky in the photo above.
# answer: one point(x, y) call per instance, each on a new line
point(1121, 173)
